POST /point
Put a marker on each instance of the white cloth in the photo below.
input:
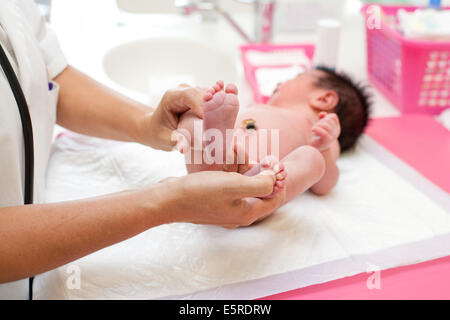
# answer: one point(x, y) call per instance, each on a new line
point(372, 218)
point(34, 52)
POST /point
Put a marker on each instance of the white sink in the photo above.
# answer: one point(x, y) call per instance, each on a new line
point(149, 65)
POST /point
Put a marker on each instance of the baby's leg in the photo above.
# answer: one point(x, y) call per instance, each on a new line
point(304, 166)
point(297, 172)
point(220, 111)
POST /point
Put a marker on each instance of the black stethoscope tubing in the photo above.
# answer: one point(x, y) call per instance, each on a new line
point(27, 130)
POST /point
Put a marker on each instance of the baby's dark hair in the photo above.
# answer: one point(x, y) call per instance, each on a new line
point(353, 107)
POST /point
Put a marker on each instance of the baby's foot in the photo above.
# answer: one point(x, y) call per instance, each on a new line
point(271, 165)
point(220, 110)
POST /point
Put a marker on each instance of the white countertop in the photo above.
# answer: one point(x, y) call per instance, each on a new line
point(88, 29)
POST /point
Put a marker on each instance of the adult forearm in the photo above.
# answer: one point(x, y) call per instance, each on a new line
point(38, 238)
point(85, 106)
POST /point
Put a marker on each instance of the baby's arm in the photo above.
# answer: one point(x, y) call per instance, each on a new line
point(327, 130)
point(331, 175)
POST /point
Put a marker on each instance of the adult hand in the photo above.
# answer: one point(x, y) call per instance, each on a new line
point(229, 200)
point(158, 128)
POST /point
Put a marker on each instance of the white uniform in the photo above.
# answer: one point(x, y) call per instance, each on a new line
point(34, 52)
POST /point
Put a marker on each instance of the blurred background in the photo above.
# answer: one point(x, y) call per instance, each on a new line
point(303, 11)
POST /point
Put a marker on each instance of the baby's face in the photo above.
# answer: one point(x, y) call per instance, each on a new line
point(296, 90)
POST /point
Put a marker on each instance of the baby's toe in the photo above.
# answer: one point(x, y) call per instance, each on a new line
point(269, 162)
point(277, 188)
point(279, 185)
point(281, 176)
point(208, 96)
point(231, 88)
point(218, 86)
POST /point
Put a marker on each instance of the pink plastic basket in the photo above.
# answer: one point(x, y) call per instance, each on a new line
point(250, 69)
point(413, 74)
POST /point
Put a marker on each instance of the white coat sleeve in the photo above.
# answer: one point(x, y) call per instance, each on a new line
point(54, 58)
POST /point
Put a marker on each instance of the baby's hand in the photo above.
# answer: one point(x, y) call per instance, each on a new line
point(326, 130)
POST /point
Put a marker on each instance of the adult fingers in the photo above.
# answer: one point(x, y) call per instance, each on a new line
point(183, 99)
point(193, 100)
point(260, 209)
point(241, 162)
point(260, 185)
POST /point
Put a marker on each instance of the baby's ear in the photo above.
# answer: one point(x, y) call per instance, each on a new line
point(324, 100)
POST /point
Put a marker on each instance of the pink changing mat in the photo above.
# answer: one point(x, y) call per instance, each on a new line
point(427, 280)
point(418, 140)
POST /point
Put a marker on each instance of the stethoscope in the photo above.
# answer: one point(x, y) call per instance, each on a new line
point(27, 130)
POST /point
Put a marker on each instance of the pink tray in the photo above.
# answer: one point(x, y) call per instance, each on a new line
point(250, 69)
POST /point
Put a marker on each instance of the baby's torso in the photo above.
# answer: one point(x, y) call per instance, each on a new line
point(280, 130)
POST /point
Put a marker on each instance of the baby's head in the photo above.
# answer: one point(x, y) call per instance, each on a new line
point(323, 89)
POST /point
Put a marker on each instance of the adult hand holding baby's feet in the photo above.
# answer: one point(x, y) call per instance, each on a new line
point(326, 131)
point(158, 127)
point(219, 198)
point(270, 165)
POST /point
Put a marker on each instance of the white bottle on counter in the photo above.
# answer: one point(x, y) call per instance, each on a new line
point(327, 46)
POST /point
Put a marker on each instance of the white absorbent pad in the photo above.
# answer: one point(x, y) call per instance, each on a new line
point(372, 219)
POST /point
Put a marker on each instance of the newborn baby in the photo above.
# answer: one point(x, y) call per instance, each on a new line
point(303, 128)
